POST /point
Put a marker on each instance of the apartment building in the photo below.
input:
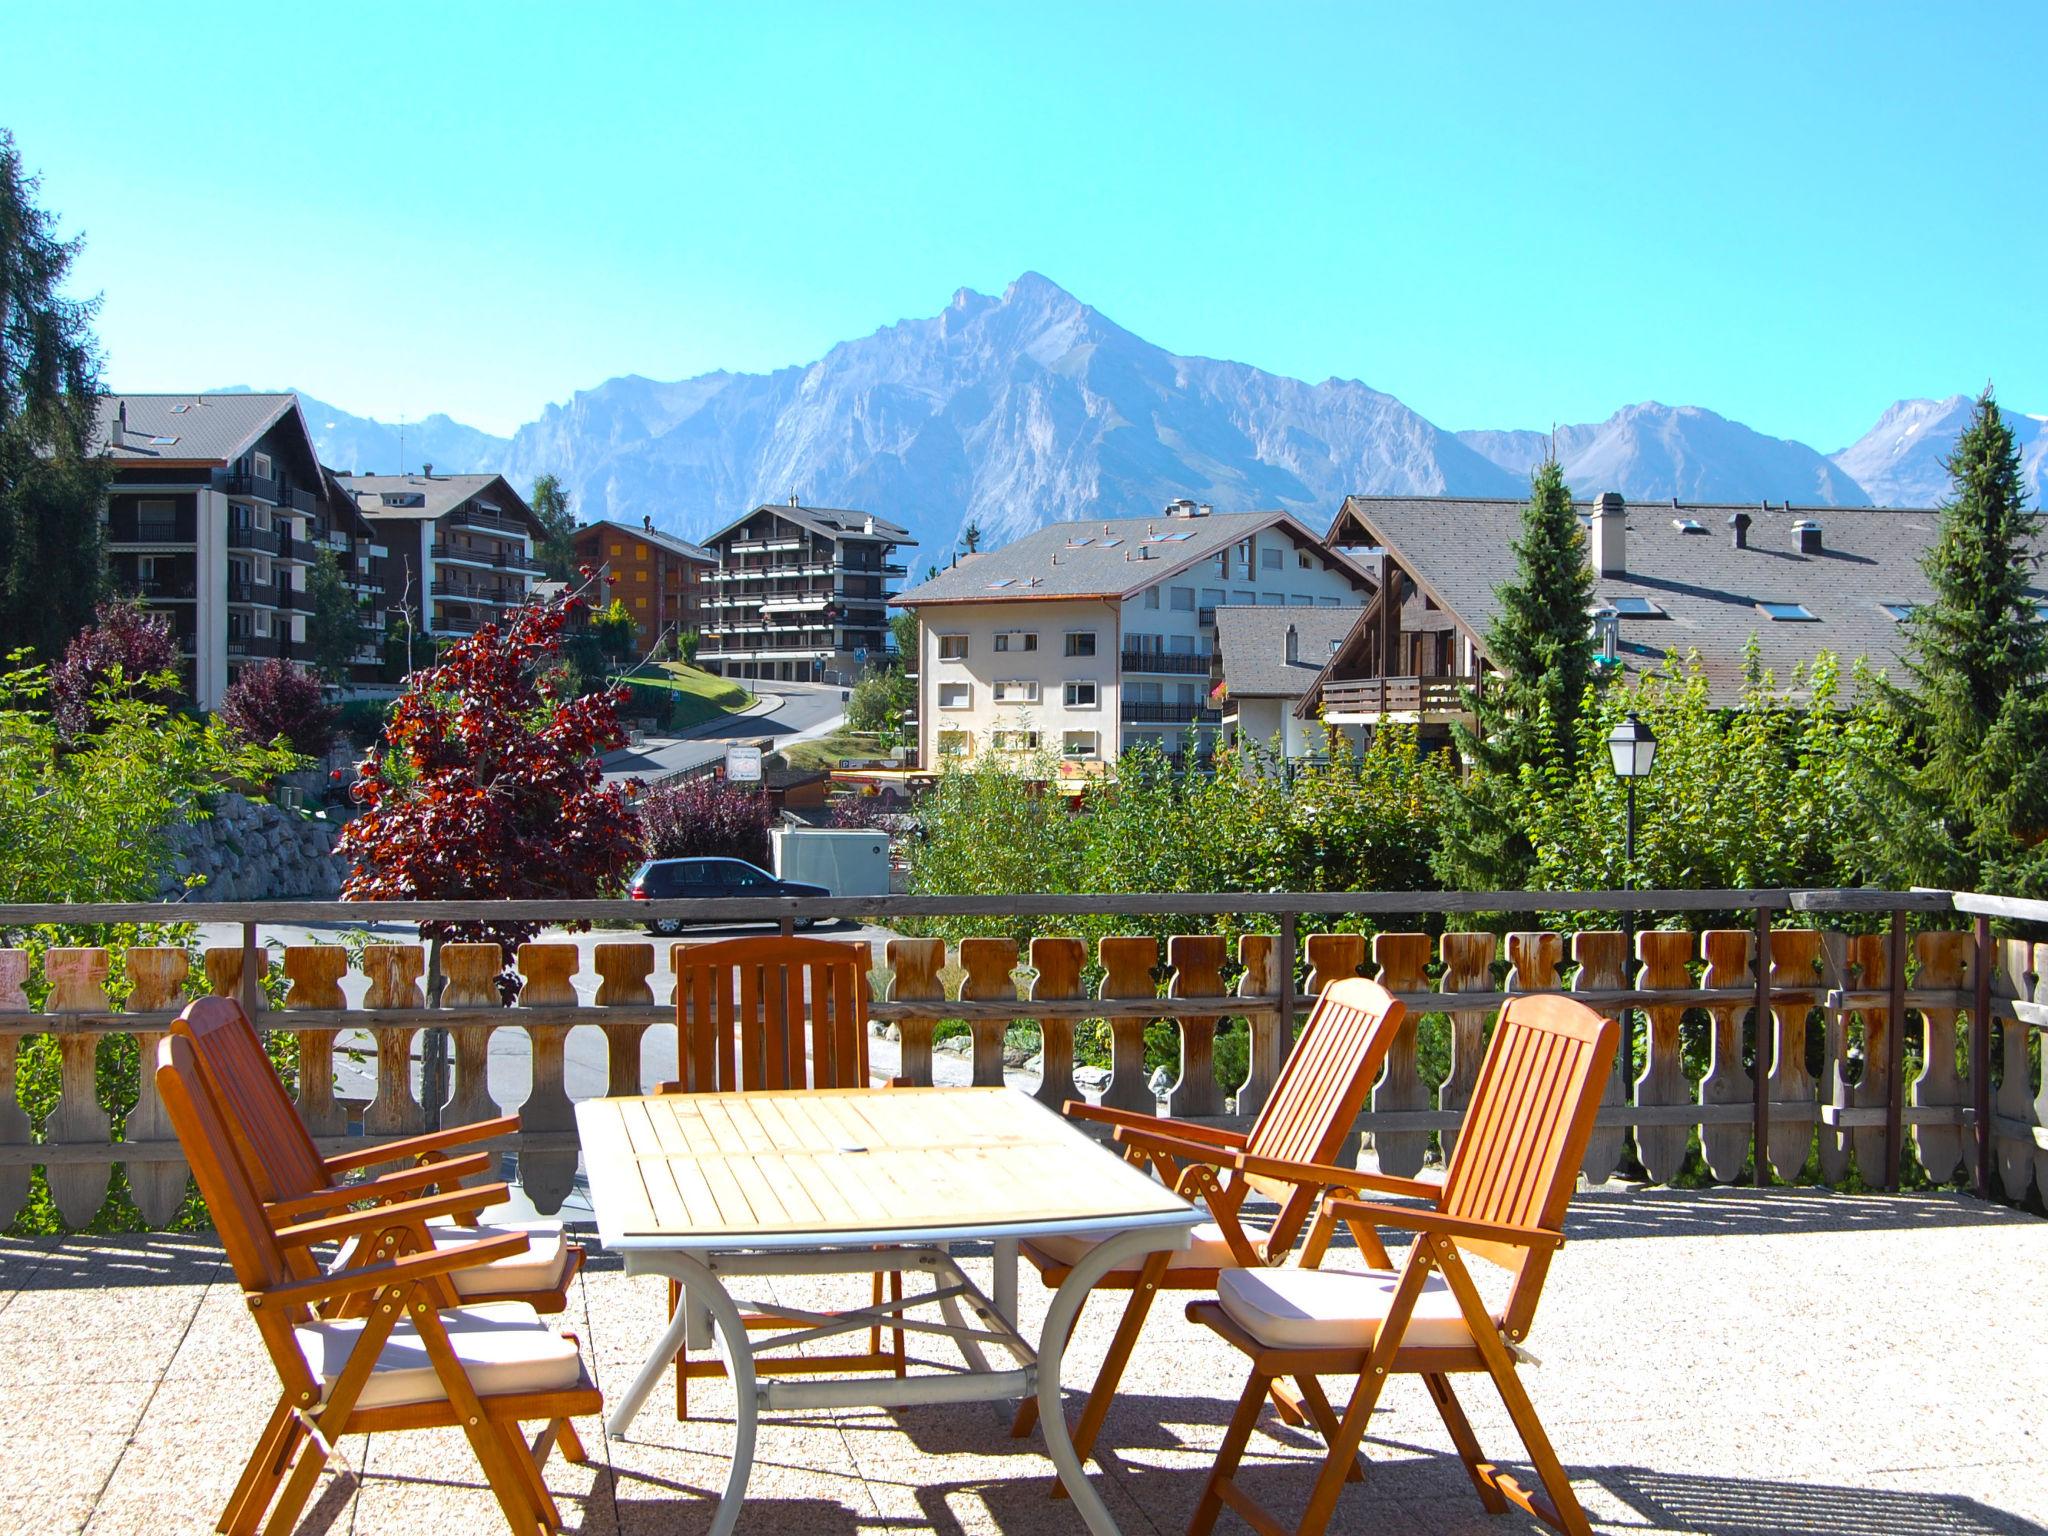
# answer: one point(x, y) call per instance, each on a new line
point(461, 546)
point(661, 579)
point(801, 593)
point(1085, 639)
point(217, 509)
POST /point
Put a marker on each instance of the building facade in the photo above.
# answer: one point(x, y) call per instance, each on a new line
point(460, 546)
point(801, 593)
point(217, 511)
point(1083, 640)
point(662, 580)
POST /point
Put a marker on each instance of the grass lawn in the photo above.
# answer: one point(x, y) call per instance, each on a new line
point(825, 751)
point(696, 695)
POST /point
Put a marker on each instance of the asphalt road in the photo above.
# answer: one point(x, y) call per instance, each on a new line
point(785, 713)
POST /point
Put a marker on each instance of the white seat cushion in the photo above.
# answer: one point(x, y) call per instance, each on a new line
point(541, 1268)
point(503, 1347)
point(1337, 1309)
point(1207, 1248)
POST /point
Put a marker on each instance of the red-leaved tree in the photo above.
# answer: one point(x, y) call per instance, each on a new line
point(274, 698)
point(487, 783)
point(704, 817)
point(123, 636)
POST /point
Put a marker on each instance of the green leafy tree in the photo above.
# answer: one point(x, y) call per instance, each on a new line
point(335, 630)
point(1969, 806)
point(1525, 718)
point(556, 547)
point(53, 478)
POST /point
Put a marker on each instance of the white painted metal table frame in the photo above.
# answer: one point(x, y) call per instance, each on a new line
point(704, 1264)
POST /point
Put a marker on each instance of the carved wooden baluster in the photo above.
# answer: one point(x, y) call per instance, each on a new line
point(1944, 962)
point(1059, 963)
point(1725, 1146)
point(1196, 962)
point(1127, 964)
point(2012, 1104)
point(1863, 965)
point(547, 1174)
point(1468, 967)
point(2037, 1112)
point(471, 988)
point(1403, 961)
point(394, 971)
point(1662, 1148)
point(224, 970)
point(1600, 955)
point(1258, 956)
point(1332, 957)
point(14, 1128)
point(622, 971)
point(988, 963)
point(315, 972)
point(1795, 963)
point(158, 975)
point(914, 966)
point(78, 984)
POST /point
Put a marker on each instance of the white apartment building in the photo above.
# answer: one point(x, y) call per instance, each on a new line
point(1084, 639)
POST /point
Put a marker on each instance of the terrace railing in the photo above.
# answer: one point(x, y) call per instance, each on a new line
point(1824, 1080)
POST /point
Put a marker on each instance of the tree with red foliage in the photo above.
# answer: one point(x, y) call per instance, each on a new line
point(704, 817)
point(127, 642)
point(488, 784)
point(274, 698)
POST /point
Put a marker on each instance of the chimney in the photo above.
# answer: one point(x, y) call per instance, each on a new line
point(792, 499)
point(426, 471)
point(1293, 645)
point(648, 521)
point(1808, 533)
point(1206, 511)
point(1740, 521)
point(120, 421)
point(1610, 526)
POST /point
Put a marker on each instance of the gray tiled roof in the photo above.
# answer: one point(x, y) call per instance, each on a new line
point(1460, 552)
point(667, 541)
point(832, 522)
point(212, 429)
point(438, 495)
point(1253, 645)
point(1113, 558)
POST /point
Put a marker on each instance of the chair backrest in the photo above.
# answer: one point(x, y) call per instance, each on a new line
point(771, 1013)
point(272, 1140)
point(1322, 1088)
point(1519, 1151)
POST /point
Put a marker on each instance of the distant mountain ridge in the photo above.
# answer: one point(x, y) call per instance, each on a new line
point(1015, 411)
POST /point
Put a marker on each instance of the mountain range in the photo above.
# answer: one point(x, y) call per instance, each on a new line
point(1012, 412)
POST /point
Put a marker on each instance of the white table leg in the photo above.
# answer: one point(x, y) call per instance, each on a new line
point(701, 1287)
point(1124, 1250)
point(1005, 1296)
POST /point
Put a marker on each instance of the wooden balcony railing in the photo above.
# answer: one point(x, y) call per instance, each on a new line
point(1376, 697)
point(1851, 1002)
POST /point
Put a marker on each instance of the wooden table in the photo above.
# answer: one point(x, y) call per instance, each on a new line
point(704, 1188)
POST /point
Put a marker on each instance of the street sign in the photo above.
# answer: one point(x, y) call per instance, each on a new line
point(743, 765)
point(860, 655)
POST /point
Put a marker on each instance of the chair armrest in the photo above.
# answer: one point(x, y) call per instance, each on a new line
point(1163, 1141)
point(1332, 1176)
point(454, 1202)
point(1419, 1219)
point(420, 1146)
point(413, 1266)
point(406, 1181)
point(1186, 1130)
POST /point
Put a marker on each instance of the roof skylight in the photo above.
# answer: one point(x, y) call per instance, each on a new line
point(1637, 608)
point(1007, 581)
point(1688, 525)
point(1788, 613)
point(163, 442)
point(1900, 612)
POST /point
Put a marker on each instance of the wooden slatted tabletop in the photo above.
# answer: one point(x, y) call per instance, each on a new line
point(791, 1169)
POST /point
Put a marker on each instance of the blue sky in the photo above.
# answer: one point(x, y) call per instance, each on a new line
point(1505, 215)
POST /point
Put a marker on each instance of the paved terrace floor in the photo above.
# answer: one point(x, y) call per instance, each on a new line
point(1720, 1362)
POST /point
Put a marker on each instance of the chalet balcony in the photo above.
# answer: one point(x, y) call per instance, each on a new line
point(1846, 1362)
point(1414, 700)
point(250, 487)
point(486, 559)
point(494, 523)
point(1137, 712)
point(263, 541)
point(503, 597)
point(1166, 663)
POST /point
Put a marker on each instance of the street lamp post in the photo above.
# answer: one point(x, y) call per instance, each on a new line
point(1633, 747)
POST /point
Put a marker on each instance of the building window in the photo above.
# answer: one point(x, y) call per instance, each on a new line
point(618, 551)
point(1269, 557)
point(1080, 642)
point(1898, 613)
point(1300, 600)
point(1017, 690)
point(1637, 608)
point(955, 743)
point(639, 602)
point(1271, 600)
point(1016, 640)
point(1787, 613)
point(641, 574)
point(1016, 741)
point(1080, 744)
point(639, 551)
point(1304, 560)
point(1083, 695)
point(956, 695)
point(1184, 599)
point(1151, 597)
point(263, 466)
point(952, 647)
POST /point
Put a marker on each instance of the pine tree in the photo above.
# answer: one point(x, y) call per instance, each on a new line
point(52, 479)
point(556, 548)
point(1526, 717)
point(1971, 809)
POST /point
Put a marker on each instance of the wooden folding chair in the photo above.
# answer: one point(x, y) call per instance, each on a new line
point(1503, 1199)
point(295, 1181)
point(412, 1360)
point(767, 1013)
point(1313, 1108)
